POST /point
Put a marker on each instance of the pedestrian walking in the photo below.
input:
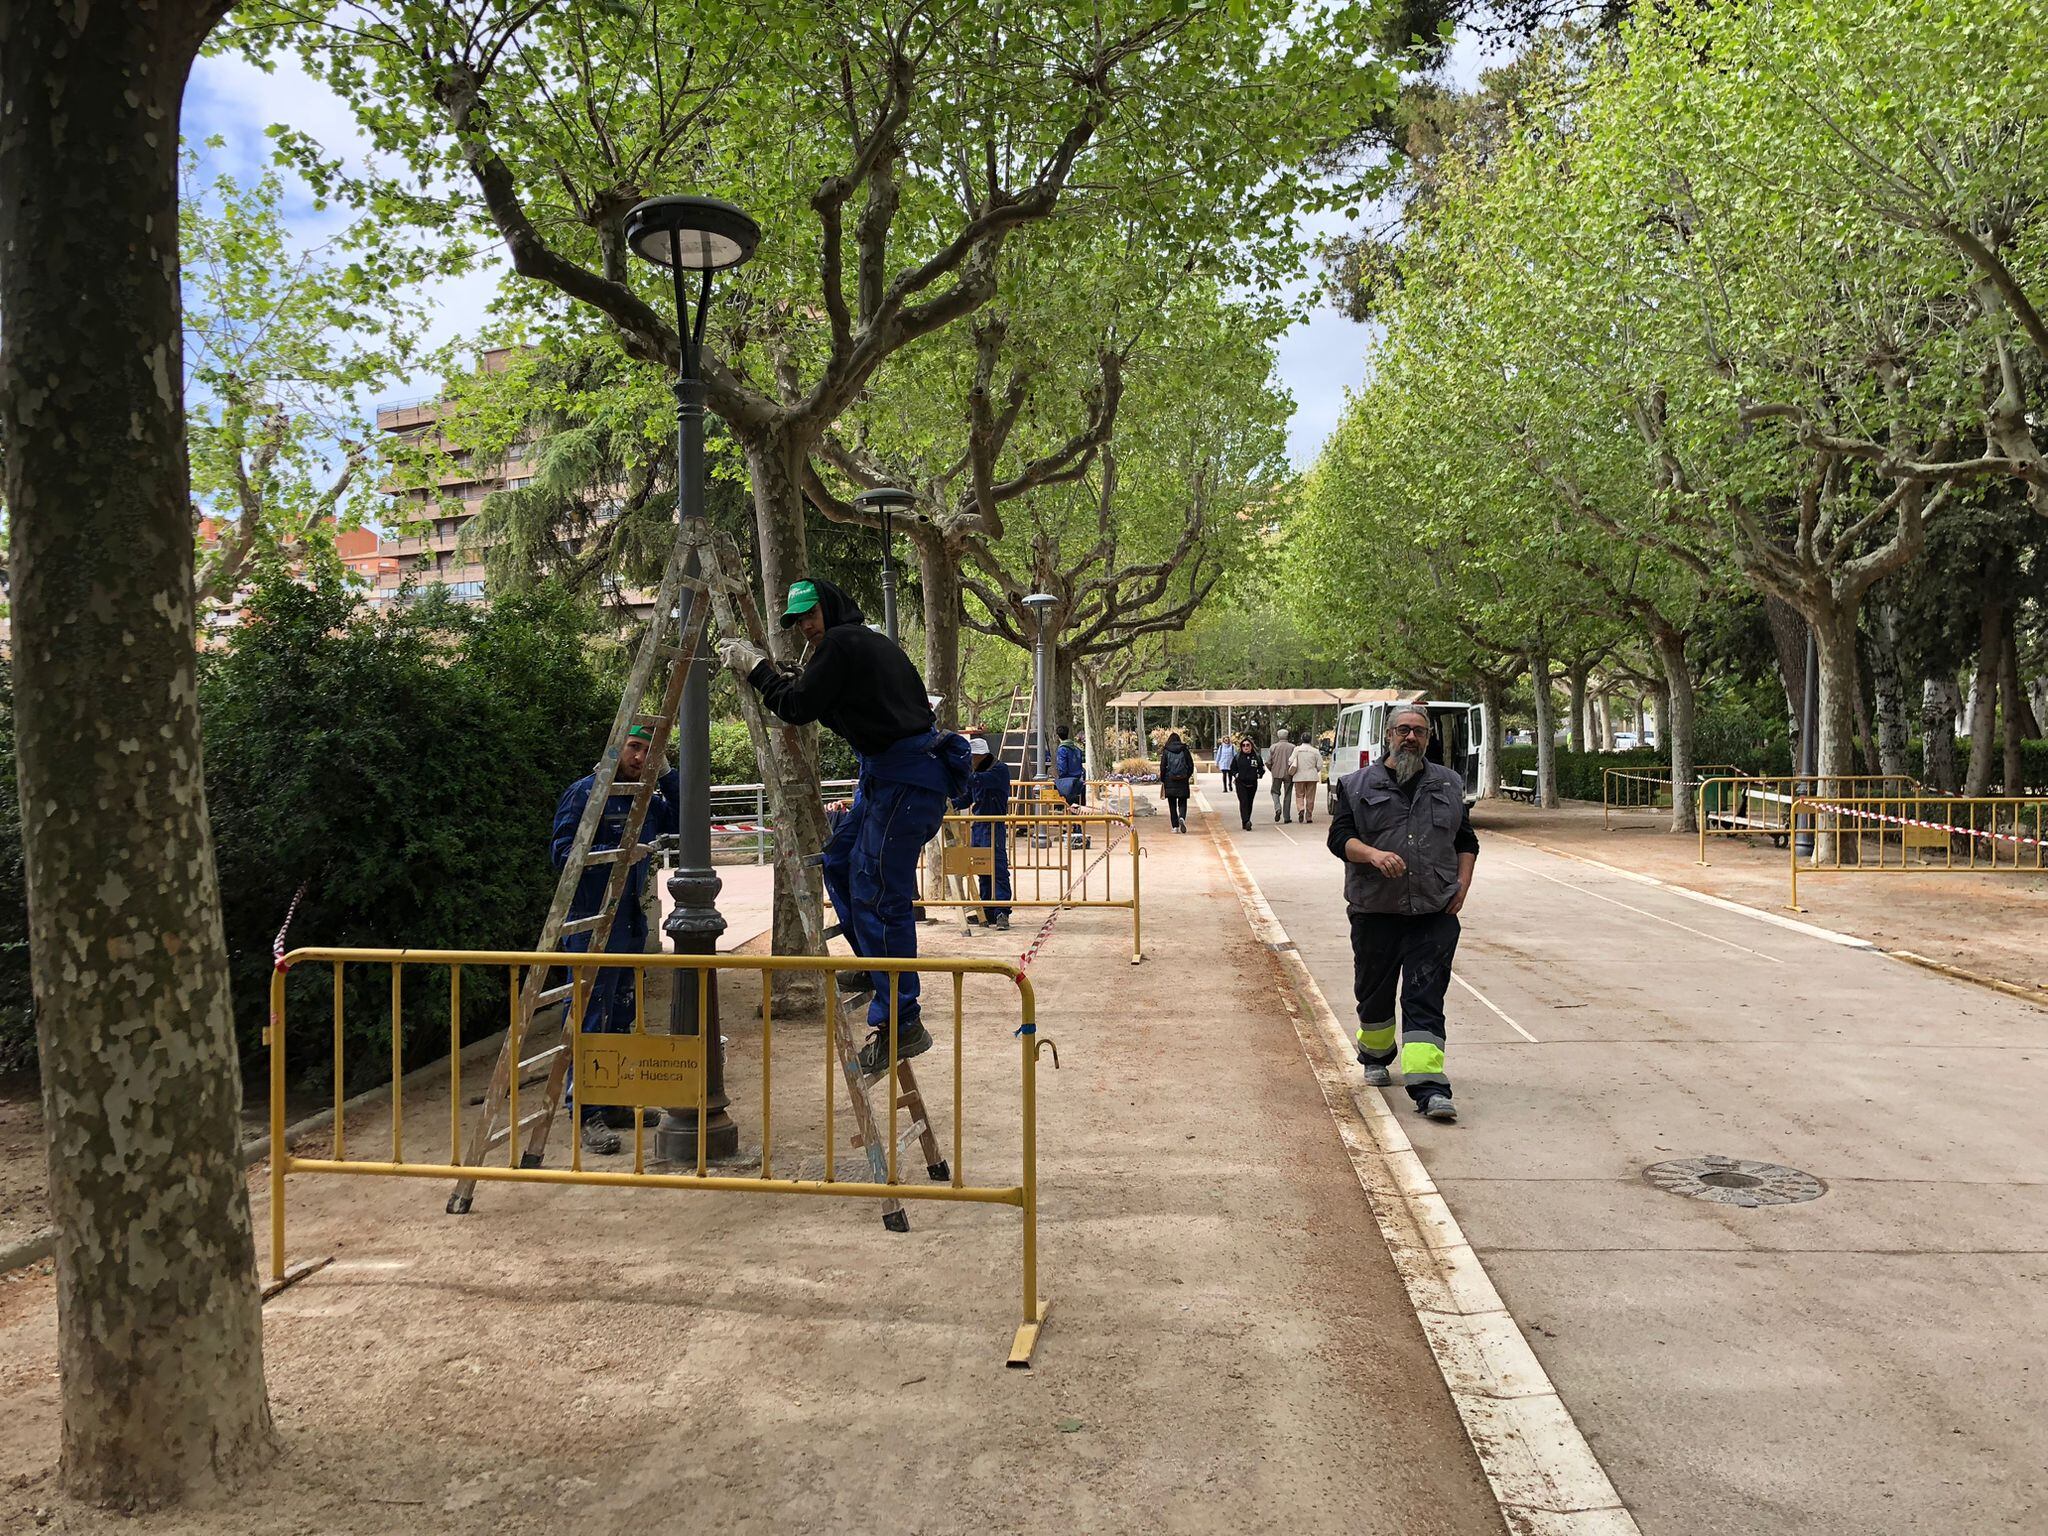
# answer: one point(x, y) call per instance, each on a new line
point(1308, 767)
point(1246, 769)
point(1405, 835)
point(1225, 754)
point(1280, 763)
point(1176, 777)
point(859, 684)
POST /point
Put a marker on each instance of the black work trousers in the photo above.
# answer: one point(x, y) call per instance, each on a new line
point(1415, 954)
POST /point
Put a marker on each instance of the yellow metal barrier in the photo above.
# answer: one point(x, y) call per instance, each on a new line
point(1922, 833)
point(1058, 852)
point(646, 1069)
point(1746, 805)
point(1647, 788)
point(1119, 797)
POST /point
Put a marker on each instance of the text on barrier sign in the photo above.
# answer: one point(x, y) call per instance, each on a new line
point(642, 1070)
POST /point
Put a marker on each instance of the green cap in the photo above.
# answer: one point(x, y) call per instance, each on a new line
point(641, 732)
point(803, 597)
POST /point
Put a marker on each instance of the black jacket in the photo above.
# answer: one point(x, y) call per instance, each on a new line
point(1176, 767)
point(857, 682)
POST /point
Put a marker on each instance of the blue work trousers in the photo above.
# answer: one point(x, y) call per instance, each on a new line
point(981, 834)
point(871, 876)
point(609, 1007)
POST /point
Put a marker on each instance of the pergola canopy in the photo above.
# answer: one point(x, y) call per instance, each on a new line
point(1254, 698)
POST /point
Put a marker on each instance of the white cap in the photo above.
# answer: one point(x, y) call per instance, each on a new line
point(977, 746)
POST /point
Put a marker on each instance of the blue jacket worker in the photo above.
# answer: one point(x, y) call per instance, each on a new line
point(988, 794)
point(859, 684)
point(1070, 771)
point(609, 1007)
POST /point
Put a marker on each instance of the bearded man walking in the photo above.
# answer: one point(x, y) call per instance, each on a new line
point(1405, 835)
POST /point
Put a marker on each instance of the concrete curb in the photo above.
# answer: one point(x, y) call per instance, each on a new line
point(1544, 1475)
point(40, 1245)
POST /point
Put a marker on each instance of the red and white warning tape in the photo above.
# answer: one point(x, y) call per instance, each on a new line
point(277, 944)
point(1935, 826)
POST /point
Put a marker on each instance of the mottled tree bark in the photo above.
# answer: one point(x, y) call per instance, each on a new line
point(1940, 700)
point(1675, 723)
point(1577, 675)
point(938, 573)
point(1888, 689)
point(1494, 697)
point(160, 1347)
point(1984, 696)
point(1788, 639)
point(1546, 732)
point(2009, 708)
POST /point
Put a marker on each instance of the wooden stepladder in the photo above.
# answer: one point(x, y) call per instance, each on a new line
point(734, 611)
point(728, 604)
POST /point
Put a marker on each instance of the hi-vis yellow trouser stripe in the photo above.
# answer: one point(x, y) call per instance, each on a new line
point(1422, 1061)
point(1376, 1044)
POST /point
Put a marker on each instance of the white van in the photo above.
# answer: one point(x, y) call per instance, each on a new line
point(1457, 730)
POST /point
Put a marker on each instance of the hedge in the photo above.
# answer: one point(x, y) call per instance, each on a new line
point(1578, 773)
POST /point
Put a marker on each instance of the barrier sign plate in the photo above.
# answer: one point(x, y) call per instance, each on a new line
point(646, 1071)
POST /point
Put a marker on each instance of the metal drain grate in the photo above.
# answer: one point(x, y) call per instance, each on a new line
point(1734, 1181)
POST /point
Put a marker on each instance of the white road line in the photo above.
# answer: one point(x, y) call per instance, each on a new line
point(1530, 869)
point(1511, 1024)
point(1283, 833)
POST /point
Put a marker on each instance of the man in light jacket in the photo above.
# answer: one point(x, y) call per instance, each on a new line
point(1280, 764)
point(1308, 767)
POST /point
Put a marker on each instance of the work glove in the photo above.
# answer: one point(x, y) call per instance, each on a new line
point(741, 655)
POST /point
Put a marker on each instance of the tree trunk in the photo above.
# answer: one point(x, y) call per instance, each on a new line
point(1494, 697)
point(1577, 675)
point(159, 1344)
point(1099, 765)
point(1603, 714)
point(1788, 640)
point(774, 463)
point(1888, 689)
point(1062, 693)
point(1864, 734)
point(1546, 733)
point(939, 576)
point(1939, 702)
point(1675, 723)
point(2009, 708)
point(1984, 692)
point(1835, 643)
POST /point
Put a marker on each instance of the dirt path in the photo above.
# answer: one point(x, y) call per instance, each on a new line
point(1229, 1345)
point(1985, 923)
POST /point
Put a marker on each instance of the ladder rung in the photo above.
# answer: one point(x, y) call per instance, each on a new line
point(553, 995)
point(650, 721)
point(585, 924)
point(513, 1130)
point(605, 855)
point(915, 1131)
point(540, 1056)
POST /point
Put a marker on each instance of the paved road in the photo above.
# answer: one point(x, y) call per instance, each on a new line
point(1875, 1360)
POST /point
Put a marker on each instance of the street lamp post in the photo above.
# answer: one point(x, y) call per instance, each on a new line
point(1040, 604)
point(701, 235)
point(885, 499)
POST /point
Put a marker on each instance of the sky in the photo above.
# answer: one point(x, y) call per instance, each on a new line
point(1319, 360)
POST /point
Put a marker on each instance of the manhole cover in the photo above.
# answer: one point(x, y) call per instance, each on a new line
point(1734, 1181)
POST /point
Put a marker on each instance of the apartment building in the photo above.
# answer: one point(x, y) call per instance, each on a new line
point(432, 518)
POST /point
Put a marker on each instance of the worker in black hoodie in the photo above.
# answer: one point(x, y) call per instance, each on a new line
point(859, 684)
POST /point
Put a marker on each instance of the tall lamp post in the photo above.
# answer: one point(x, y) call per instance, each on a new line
point(699, 235)
point(1040, 603)
point(886, 499)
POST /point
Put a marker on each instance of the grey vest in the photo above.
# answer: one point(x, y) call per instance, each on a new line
point(1423, 829)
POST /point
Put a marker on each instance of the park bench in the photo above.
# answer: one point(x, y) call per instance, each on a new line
point(1524, 792)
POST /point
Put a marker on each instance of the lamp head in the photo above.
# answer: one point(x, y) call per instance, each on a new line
point(697, 234)
point(885, 498)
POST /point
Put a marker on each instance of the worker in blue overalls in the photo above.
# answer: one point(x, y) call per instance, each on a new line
point(609, 1007)
point(988, 794)
point(1070, 771)
point(859, 684)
